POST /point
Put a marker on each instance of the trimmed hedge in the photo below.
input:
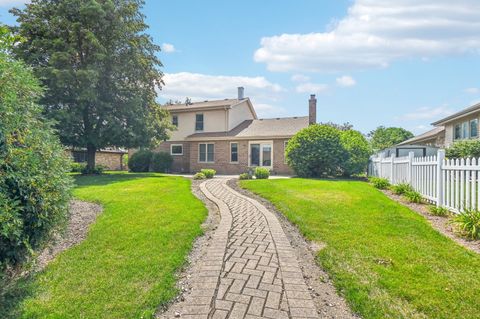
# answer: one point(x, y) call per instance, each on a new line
point(209, 173)
point(464, 149)
point(140, 161)
point(262, 173)
point(161, 162)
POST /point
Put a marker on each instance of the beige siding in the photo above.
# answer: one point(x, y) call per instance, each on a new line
point(214, 121)
point(239, 113)
point(450, 128)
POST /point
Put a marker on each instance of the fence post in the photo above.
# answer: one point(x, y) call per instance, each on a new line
point(392, 170)
point(380, 165)
point(440, 158)
point(411, 155)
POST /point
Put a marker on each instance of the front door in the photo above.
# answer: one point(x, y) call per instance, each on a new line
point(261, 154)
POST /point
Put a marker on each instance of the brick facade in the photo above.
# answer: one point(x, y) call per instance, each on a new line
point(189, 161)
point(112, 160)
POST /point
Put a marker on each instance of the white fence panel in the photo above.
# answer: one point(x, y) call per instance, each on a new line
point(454, 184)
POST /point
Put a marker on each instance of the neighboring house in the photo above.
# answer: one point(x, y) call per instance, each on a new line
point(227, 135)
point(462, 125)
point(112, 159)
point(402, 150)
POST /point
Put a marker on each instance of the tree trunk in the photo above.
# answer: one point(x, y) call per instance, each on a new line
point(91, 150)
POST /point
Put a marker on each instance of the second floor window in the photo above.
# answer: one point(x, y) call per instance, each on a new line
point(175, 120)
point(198, 122)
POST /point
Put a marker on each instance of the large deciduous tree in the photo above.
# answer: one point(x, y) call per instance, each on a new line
point(384, 137)
point(99, 68)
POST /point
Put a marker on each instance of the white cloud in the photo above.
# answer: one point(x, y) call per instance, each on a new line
point(201, 87)
point(168, 48)
point(311, 88)
point(300, 78)
point(375, 33)
point(346, 81)
point(10, 3)
point(426, 113)
point(472, 90)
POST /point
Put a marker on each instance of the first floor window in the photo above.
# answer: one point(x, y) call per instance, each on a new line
point(206, 152)
point(458, 132)
point(474, 128)
point(233, 152)
point(176, 149)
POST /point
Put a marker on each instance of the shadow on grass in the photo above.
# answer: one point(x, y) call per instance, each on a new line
point(13, 293)
point(110, 178)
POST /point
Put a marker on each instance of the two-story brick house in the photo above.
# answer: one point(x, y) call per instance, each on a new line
point(227, 135)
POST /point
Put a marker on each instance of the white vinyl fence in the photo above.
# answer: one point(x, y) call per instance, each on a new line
point(449, 183)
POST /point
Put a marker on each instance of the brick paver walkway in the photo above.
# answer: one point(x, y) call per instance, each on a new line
point(250, 269)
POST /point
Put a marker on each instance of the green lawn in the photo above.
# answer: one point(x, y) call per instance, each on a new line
point(387, 260)
point(125, 268)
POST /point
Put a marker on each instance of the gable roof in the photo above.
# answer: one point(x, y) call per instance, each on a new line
point(464, 112)
point(209, 105)
point(262, 128)
point(425, 136)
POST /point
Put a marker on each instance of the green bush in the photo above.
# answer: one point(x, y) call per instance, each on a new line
point(401, 189)
point(161, 162)
point(468, 223)
point(380, 183)
point(316, 151)
point(439, 211)
point(413, 197)
point(34, 181)
point(244, 176)
point(97, 170)
point(199, 176)
point(140, 161)
point(358, 150)
point(77, 167)
point(463, 149)
point(209, 173)
point(262, 173)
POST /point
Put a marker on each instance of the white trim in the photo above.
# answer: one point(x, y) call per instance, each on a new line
point(264, 142)
point(176, 154)
point(238, 153)
point(206, 153)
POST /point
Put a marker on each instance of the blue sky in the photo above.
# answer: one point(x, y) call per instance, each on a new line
point(370, 62)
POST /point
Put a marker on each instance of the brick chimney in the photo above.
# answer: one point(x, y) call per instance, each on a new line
point(312, 110)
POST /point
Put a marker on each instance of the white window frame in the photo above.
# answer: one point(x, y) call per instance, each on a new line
point(175, 154)
point(261, 153)
point(206, 153)
point(470, 129)
point(203, 122)
point(238, 153)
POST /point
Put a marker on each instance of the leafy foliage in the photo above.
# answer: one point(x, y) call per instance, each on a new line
point(384, 137)
point(464, 149)
point(140, 161)
point(358, 150)
point(262, 173)
point(34, 185)
point(316, 151)
point(245, 176)
point(468, 223)
point(96, 170)
point(161, 162)
point(77, 167)
point(199, 176)
point(401, 188)
point(209, 173)
point(439, 211)
point(378, 182)
point(413, 197)
point(101, 70)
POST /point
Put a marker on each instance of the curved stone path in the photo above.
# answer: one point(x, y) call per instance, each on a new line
point(250, 269)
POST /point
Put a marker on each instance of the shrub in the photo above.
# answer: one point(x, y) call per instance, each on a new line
point(468, 223)
point(209, 173)
point(439, 211)
point(199, 176)
point(470, 148)
point(161, 162)
point(262, 173)
point(77, 167)
point(413, 196)
point(358, 150)
point(140, 161)
point(34, 181)
point(245, 176)
point(316, 151)
point(380, 183)
point(97, 170)
point(401, 189)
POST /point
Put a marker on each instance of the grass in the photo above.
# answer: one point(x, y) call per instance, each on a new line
point(385, 259)
point(125, 268)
